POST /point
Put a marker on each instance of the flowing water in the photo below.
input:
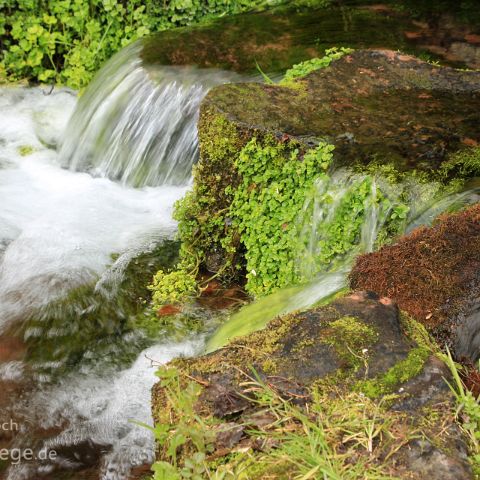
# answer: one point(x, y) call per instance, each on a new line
point(67, 204)
point(322, 282)
point(135, 130)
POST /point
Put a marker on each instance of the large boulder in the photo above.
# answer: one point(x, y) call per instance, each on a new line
point(374, 107)
point(434, 275)
point(360, 344)
point(378, 105)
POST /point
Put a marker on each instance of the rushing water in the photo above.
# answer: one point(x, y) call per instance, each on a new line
point(67, 204)
point(137, 131)
point(425, 202)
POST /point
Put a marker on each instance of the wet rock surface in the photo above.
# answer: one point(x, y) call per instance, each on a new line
point(354, 342)
point(433, 274)
point(275, 39)
point(372, 105)
point(278, 38)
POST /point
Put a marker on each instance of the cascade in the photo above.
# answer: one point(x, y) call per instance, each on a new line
point(136, 124)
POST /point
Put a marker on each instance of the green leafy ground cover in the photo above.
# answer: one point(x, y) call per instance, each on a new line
point(66, 41)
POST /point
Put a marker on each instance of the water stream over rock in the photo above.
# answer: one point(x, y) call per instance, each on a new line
point(68, 210)
point(87, 188)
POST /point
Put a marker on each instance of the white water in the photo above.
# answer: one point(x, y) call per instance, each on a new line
point(59, 227)
point(135, 130)
point(101, 410)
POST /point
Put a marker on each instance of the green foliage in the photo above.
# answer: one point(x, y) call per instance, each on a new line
point(181, 429)
point(202, 213)
point(172, 287)
point(318, 439)
point(309, 66)
point(468, 411)
point(66, 41)
point(464, 163)
point(275, 181)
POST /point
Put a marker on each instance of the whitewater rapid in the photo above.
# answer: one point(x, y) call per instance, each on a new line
point(59, 229)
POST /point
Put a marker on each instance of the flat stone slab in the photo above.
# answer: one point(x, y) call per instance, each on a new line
point(372, 105)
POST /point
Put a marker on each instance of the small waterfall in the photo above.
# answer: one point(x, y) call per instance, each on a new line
point(138, 126)
point(321, 279)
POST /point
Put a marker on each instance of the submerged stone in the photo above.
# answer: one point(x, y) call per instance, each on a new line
point(357, 343)
point(434, 275)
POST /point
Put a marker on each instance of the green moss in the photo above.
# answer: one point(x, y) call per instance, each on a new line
point(395, 376)
point(464, 164)
point(351, 338)
point(202, 213)
point(405, 369)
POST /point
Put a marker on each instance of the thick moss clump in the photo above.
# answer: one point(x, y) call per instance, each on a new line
point(276, 39)
point(433, 274)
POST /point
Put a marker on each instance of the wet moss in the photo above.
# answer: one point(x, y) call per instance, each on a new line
point(403, 371)
point(462, 164)
point(351, 338)
point(202, 213)
point(92, 319)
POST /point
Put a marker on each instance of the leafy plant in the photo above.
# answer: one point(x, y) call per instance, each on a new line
point(275, 182)
point(304, 68)
point(172, 287)
point(66, 41)
point(181, 429)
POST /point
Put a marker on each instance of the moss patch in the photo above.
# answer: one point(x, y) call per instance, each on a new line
point(395, 376)
point(432, 273)
point(351, 338)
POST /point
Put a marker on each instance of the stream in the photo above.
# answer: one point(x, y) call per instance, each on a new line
point(68, 169)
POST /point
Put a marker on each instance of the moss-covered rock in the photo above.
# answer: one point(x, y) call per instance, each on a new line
point(433, 274)
point(361, 111)
point(368, 104)
point(358, 343)
point(278, 38)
